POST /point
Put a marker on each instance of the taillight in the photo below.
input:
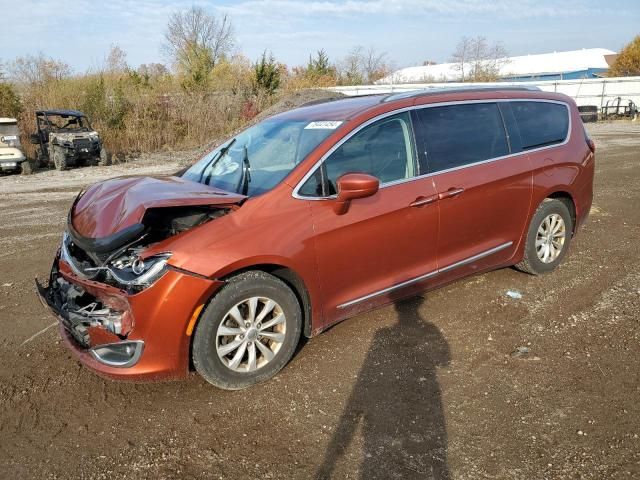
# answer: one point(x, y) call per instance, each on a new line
point(592, 145)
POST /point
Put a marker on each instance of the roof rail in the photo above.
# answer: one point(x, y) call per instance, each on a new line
point(321, 100)
point(439, 90)
point(55, 111)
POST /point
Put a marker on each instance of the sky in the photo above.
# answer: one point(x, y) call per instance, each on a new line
point(80, 32)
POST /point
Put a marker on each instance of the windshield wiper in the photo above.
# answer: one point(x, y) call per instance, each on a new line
point(246, 172)
point(212, 163)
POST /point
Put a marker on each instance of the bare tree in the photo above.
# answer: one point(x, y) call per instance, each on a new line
point(116, 61)
point(363, 65)
point(351, 67)
point(153, 70)
point(461, 56)
point(479, 61)
point(195, 38)
point(38, 69)
point(375, 65)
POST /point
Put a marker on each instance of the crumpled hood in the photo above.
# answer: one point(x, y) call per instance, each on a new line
point(110, 206)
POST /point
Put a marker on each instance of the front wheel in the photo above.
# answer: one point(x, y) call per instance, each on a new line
point(59, 158)
point(248, 332)
point(548, 237)
point(26, 167)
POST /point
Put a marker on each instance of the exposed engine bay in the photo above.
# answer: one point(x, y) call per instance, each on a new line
point(118, 260)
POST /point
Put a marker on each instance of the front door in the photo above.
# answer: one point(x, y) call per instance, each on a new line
point(384, 242)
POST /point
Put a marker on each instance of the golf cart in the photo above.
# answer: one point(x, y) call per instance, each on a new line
point(66, 139)
point(11, 157)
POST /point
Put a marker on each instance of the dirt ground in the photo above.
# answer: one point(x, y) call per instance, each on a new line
point(429, 388)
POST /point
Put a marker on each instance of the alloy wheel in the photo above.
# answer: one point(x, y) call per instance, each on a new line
point(250, 334)
point(550, 238)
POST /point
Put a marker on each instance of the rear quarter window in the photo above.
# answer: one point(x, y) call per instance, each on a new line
point(541, 123)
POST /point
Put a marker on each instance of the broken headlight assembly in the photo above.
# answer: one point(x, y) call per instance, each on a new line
point(124, 269)
point(131, 270)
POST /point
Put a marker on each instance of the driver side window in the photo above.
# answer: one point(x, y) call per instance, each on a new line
point(383, 149)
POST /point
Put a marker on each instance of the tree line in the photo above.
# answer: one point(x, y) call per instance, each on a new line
point(206, 88)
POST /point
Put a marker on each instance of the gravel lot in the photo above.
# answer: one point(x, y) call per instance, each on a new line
point(434, 387)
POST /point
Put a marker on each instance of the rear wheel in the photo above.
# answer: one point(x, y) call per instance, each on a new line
point(548, 237)
point(59, 158)
point(248, 332)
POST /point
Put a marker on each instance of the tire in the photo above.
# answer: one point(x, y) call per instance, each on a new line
point(105, 158)
point(26, 167)
point(534, 261)
point(59, 158)
point(216, 366)
point(588, 113)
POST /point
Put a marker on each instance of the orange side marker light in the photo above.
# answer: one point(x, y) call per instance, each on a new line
point(194, 318)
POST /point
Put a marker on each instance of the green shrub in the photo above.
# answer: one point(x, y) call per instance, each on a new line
point(10, 105)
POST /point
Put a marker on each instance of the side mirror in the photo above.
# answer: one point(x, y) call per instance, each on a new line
point(34, 138)
point(352, 186)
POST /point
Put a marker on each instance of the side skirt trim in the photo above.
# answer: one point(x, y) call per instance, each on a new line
point(411, 281)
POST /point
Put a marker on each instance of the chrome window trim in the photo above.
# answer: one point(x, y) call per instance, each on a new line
point(433, 273)
point(318, 163)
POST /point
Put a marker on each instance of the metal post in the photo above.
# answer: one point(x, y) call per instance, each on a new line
point(604, 83)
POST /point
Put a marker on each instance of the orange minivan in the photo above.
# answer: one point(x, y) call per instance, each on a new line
point(310, 217)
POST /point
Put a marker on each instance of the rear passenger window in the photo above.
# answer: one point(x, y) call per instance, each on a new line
point(459, 135)
point(541, 123)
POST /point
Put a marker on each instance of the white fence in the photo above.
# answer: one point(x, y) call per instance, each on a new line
point(593, 91)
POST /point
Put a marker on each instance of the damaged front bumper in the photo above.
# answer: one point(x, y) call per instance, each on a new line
point(141, 335)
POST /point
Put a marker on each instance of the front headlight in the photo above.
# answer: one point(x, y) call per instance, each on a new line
point(139, 272)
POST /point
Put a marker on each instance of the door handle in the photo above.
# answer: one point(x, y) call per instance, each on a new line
point(452, 192)
point(420, 201)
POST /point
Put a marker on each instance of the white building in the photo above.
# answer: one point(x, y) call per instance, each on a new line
point(575, 64)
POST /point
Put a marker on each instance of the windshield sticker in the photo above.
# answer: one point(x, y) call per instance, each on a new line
point(325, 125)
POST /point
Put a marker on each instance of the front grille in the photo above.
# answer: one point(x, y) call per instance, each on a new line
point(82, 143)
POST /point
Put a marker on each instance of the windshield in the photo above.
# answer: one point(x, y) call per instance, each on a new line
point(8, 129)
point(260, 157)
point(68, 123)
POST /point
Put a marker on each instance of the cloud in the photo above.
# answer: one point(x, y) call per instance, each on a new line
point(296, 35)
point(504, 8)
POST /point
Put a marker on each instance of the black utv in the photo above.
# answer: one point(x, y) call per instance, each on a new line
point(65, 139)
